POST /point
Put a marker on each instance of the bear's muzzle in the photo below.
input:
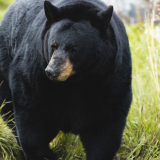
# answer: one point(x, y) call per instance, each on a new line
point(60, 67)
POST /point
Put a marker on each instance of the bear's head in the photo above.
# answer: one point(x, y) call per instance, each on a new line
point(73, 42)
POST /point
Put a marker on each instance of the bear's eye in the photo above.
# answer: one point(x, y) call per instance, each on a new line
point(70, 49)
point(54, 46)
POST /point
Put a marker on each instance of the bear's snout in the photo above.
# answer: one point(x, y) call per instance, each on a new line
point(59, 72)
point(51, 74)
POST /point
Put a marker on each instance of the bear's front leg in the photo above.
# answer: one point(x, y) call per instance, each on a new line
point(102, 143)
point(34, 137)
point(33, 127)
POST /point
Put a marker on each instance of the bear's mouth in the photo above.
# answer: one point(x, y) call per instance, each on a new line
point(61, 72)
point(66, 71)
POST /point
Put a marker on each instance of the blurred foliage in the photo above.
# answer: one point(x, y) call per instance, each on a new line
point(5, 3)
point(3, 6)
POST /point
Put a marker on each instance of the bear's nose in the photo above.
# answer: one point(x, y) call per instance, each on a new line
point(51, 74)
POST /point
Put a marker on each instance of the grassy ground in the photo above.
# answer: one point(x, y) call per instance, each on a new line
point(142, 133)
point(9, 149)
point(141, 140)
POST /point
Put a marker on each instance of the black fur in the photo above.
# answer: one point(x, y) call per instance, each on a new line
point(93, 102)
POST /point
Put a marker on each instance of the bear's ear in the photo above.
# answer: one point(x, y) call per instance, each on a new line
point(51, 11)
point(106, 16)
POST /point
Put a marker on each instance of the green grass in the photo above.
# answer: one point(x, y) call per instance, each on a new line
point(9, 148)
point(141, 140)
point(142, 133)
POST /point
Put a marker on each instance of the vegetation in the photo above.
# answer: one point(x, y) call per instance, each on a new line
point(9, 148)
point(142, 133)
point(141, 139)
point(3, 5)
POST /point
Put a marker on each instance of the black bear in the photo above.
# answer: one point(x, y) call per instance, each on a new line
point(65, 65)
